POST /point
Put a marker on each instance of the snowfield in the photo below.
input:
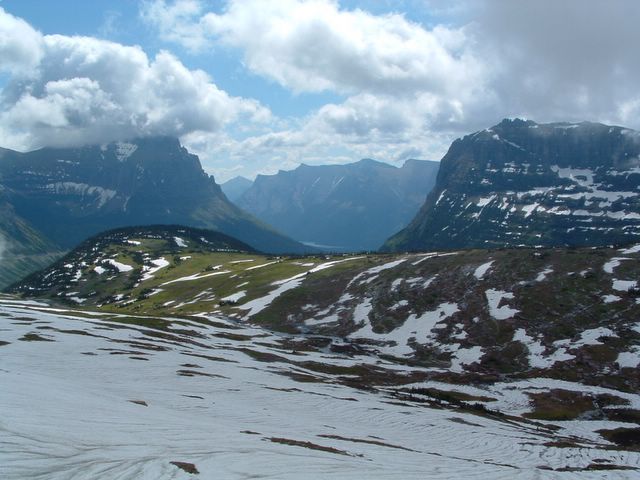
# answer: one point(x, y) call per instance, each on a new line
point(88, 396)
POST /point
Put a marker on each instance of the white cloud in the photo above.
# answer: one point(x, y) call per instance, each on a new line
point(407, 86)
point(547, 60)
point(20, 45)
point(78, 90)
point(313, 45)
point(177, 22)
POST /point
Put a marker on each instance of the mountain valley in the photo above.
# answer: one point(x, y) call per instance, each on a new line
point(352, 207)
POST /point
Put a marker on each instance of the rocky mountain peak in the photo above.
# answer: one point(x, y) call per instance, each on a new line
point(524, 183)
point(69, 194)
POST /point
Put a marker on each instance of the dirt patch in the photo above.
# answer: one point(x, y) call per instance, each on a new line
point(364, 440)
point(309, 445)
point(194, 373)
point(187, 467)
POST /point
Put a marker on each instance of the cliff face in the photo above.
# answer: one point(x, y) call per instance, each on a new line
point(523, 183)
point(71, 194)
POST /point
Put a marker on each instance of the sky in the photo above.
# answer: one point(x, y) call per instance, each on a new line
point(255, 86)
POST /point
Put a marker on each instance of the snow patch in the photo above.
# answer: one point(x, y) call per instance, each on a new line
point(103, 195)
point(122, 267)
point(630, 250)
point(542, 276)
point(416, 327)
point(494, 298)
point(624, 285)
point(609, 266)
point(234, 297)
point(148, 271)
point(629, 359)
point(611, 298)
point(536, 350)
point(196, 276)
point(482, 270)
point(124, 150)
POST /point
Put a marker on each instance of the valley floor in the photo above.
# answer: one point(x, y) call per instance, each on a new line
point(99, 395)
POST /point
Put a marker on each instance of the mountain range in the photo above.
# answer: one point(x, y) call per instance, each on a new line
point(487, 361)
point(341, 207)
point(58, 197)
point(524, 183)
point(519, 183)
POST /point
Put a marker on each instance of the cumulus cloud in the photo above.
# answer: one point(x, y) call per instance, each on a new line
point(405, 84)
point(549, 60)
point(77, 90)
point(314, 45)
point(20, 45)
point(408, 88)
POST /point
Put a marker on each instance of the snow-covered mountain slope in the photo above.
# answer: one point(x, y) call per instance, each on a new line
point(523, 183)
point(94, 395)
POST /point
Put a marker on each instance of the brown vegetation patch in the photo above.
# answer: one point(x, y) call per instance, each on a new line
point(364, 440)
point(34, 337)
point(624, 437)
point(309, 445)
point(560, 404)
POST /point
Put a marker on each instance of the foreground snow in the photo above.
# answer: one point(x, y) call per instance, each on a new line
point(103, 397)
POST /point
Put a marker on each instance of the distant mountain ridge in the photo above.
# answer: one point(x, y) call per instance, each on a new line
point(524, 183)
point(235, 187)
point(341, 207)
point(70, 194)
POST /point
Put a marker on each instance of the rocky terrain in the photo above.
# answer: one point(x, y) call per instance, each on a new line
point(351, 207)
point(524, 183)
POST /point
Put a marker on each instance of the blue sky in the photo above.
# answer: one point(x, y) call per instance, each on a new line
point(308, 81)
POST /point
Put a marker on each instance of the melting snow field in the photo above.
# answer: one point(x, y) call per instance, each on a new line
point(88, 396)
